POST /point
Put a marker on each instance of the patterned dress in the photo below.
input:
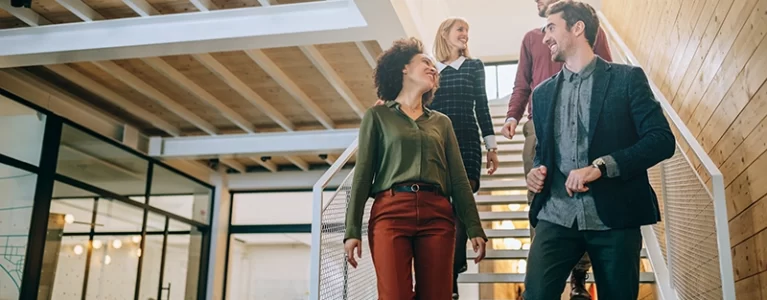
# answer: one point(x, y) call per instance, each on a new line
point(461, 96)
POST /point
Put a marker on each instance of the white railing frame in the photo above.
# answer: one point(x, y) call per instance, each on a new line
point(717, 181)
point(318, 207)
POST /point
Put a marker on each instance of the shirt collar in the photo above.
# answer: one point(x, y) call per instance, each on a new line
point(456, 64)
point(584, 73)
point(395, 104)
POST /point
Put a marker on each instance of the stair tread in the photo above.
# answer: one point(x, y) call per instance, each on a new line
point(644, 277)
point(501, 183)
point(506, 158)
point(502, 215)
point(507, 171)
point(514, 254)
point(500, 199)
point(506, 233)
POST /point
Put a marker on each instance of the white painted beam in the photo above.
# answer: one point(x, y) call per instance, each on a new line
point(283, 180)
point(26, 15)
point(244, 90)
point(198, 32)
point(174, 75)
point(81, 10)
point(267, 164)
point(367, 54)
point(298, 162)
point(334, 79)
point(107, 94)
point(162, 99)
point(260, 58)
point(141, 7)
point(267, 2)
point(313, 142)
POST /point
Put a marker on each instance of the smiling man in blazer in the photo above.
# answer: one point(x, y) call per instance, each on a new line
point(599, 129)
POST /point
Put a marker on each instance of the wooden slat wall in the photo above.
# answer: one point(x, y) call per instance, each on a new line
point(710, 59)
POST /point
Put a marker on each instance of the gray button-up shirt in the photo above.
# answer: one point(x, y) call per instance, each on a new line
point(571, 117)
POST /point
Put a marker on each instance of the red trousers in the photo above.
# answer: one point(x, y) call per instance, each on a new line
point(407, 227)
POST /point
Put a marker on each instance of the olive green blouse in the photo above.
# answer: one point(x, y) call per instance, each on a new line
point(393, 148)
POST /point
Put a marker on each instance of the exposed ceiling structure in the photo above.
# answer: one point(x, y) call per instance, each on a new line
point(260, 86)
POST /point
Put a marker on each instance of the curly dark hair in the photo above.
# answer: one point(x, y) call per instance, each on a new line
point(388, 73)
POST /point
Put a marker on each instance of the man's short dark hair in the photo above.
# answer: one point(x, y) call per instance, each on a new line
point(388, 73)
point(574, 11)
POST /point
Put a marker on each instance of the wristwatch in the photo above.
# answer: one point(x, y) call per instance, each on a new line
point(599, 163)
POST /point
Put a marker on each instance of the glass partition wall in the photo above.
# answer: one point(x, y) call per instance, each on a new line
point(84, 217)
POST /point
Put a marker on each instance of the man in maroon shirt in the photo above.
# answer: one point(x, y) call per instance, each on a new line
point(535, 66)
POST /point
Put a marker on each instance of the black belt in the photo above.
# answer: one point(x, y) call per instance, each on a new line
point(415, 187)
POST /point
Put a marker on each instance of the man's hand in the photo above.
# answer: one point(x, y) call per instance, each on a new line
point(478, 244)
point(578, 179)
point(379, 102)
point(535, 179)
point(350, 246)
point(509, 129)
point(492, 162)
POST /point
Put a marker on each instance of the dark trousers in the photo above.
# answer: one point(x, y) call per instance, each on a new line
point(528, 155)
point(556, 249)
point(460, 263)
point(412, 228)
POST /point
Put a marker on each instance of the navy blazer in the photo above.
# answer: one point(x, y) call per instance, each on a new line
point(626, 122)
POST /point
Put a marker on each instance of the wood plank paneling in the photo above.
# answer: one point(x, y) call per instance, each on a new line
point(710, 60)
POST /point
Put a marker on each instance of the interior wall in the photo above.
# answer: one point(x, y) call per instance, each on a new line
point(710, 59)
point(269, 271)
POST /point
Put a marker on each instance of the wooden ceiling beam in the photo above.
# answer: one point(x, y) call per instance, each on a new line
point(266, 163)
point(141, 7)
point(162, 67)
point(144, 88)
point(246, 92)
point(260, 58)
point(369, 57)
point(81, 10)
point(234, 165)
point(334, 79)
point(26, 15)
point(204, 5)
point(298, 162)
point(107, 94)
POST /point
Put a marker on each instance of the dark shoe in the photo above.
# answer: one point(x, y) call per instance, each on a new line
point(578, 286)
point(455, 287)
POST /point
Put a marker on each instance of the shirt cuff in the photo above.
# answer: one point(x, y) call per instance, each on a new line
point(612, 167)
point(490, 142)
point(509, 119)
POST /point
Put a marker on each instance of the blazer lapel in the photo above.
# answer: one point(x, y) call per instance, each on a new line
point(601, 79)
point(552, 98)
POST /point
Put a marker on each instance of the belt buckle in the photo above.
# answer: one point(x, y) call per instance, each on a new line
point(415, 188)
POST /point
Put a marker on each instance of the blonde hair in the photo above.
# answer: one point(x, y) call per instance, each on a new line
point(441, 46)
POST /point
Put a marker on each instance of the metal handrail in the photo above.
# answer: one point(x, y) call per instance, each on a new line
point(717, 183)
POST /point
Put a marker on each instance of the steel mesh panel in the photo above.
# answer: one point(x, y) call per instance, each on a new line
point(693, 255)
point(338, 280)
point(656, 180)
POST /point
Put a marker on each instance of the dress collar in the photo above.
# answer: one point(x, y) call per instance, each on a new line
point(456, 64)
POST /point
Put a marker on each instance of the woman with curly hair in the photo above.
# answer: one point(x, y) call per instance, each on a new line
point(410, 162)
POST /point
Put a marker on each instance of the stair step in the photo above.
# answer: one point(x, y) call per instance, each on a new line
point(502, 215)
point(505, 148)
point(505, 158)
point(498, 129)
point(500, 199)
point(518, 138)
point(507, 233)
point(513, 254)
point(644, 277)
point(504, 184)
point(505, 171)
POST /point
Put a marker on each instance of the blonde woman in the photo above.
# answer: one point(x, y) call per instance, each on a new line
point(461, 96)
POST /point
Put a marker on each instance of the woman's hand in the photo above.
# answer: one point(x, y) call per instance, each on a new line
point(492, 162)
point(349, 246)
point(479, 247)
